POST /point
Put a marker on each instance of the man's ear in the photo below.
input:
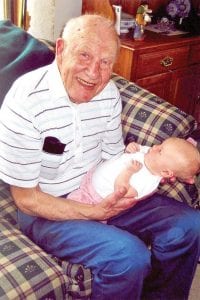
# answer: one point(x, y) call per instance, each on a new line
point(60, 44)
point(167, 173)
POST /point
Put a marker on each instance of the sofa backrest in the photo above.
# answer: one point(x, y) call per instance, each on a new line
point(147, 119)
point(19, 53)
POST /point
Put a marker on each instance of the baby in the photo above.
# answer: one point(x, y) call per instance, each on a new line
point(140, 170)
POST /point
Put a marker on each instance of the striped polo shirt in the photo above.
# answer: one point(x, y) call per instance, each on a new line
point(36, 107)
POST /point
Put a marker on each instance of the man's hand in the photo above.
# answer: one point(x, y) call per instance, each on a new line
point(113, 205)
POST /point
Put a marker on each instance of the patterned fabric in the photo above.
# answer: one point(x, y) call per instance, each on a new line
point(26, 271)
point(147, 120)
point(80, 280)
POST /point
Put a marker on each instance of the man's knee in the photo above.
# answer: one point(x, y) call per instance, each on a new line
point(183, 232)
point(189, 222)
point(130, 255)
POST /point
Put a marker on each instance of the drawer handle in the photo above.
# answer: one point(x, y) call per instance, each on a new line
point(167, 61)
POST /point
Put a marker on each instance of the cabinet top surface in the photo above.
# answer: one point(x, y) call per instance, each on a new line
point(156, 40)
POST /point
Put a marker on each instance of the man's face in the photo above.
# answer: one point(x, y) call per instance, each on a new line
point(86, 67)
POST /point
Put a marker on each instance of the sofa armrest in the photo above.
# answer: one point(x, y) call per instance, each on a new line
point(26, 270)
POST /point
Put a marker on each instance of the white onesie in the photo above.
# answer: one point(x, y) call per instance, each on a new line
point(142, 181)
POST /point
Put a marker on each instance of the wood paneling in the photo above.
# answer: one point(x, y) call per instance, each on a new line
point(102, 7)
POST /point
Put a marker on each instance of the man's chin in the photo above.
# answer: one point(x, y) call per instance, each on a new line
point(82, 100)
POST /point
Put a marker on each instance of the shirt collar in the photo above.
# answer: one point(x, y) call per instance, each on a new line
point(55, 82)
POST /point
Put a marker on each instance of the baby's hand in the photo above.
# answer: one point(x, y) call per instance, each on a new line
point(134, 166)
point(132, 147)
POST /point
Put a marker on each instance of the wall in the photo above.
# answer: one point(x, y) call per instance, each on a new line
point(49, 16)
point(64, 10)
point(1, 10)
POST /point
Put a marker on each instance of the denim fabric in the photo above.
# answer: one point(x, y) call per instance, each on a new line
point(118, 254)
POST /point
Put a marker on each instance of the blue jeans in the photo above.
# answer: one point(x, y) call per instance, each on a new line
point(122, 264)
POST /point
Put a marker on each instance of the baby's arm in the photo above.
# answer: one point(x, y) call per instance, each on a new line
point(132, 147)
point(123, 178)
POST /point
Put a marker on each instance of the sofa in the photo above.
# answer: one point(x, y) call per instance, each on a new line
point(26, 271)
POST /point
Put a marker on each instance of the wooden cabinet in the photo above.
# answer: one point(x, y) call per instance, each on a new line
point(182, 88)
point(196, 92)
point(157, 84)
point(168, 66)
point(161, 61)
point(195, 69)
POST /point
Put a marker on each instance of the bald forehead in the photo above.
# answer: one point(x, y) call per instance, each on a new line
point(88, 22)
point(93, 27)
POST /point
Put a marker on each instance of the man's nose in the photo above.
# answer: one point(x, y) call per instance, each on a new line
point(94, 69)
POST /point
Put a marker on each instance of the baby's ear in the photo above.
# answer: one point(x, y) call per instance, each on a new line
point(167, 173)
point(190, 180)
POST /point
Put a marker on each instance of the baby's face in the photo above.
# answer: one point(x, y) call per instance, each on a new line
point(157, 158)
point(167, 156)
point(162, 157)
point(160, 153)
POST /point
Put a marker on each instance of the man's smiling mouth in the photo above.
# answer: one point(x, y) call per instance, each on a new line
point(89, 84)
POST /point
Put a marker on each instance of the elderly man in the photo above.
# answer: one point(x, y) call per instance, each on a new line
point(56, 123)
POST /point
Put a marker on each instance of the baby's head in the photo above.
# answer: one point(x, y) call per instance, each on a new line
point(175, 157)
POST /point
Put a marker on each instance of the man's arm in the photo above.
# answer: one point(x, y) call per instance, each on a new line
point(34, 202)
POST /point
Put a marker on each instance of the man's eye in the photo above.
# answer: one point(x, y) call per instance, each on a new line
point(105, 63)
point(84, 55)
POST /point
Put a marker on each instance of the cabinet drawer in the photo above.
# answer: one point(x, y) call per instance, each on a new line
point(194, 54)
point(162, 61)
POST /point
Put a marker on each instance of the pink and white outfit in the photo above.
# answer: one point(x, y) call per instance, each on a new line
point(99, 182)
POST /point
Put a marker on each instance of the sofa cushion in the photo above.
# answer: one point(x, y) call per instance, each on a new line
point(148, 120)
point(19, 53)
point(8, 210)
point(27, 272)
